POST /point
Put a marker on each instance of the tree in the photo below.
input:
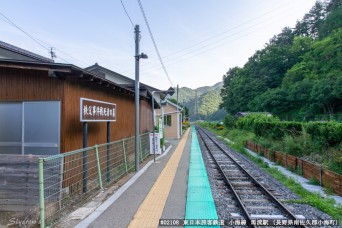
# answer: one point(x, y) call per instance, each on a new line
point(333, 19)
point(210, 103)
point(312, 22)
point(297, 74)
point(322, 96)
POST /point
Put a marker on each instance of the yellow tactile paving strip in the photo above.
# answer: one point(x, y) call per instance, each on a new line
point(152, 207)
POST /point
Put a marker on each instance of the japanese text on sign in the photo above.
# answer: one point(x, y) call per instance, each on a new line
point(243, 222)
point(97, 111)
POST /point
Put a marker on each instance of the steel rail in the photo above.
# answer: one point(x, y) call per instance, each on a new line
point(281, 205)
point(242, 206)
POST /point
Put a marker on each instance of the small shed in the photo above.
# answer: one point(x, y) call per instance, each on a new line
point(172, 118)
point(243, 114)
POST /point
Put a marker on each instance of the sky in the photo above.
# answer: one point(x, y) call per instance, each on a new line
point(198, 40)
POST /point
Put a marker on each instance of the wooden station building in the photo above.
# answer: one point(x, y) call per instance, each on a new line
point(40, 105)
point(43, 106)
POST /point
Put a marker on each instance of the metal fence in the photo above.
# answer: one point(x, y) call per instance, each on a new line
point(71, 179)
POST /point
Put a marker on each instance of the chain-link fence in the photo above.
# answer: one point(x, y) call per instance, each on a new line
point(71, 179)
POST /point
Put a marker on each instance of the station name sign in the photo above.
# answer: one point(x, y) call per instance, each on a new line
point(97, 111)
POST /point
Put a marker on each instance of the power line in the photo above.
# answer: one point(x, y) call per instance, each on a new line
point(226, 31)
point(206, 47)
point(154, 42)
point(127, 13)
point(201, 51)
point(211, 40)
point(39, 41)
point(79, 60)
point(30, 36)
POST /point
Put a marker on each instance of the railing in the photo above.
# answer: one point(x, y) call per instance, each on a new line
point(71, 179)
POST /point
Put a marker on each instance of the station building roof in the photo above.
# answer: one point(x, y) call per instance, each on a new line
point(125, 81)
point(9, 51)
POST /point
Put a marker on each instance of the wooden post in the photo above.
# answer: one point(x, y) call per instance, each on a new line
point(301, 167)
point(321, 175)
point(84, 166)
point(285, 160)
point(108, 151)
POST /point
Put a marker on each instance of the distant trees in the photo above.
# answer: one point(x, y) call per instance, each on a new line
point(210, 102)
point(298, 73)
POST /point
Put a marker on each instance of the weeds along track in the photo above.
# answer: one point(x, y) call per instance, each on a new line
point(248, 198)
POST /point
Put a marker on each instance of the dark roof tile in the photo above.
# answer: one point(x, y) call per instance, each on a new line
point(21, 51)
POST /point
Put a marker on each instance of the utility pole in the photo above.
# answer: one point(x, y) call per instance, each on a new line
point(183, 111)
point(196, 105)
point(137, 95)
point(177, 94)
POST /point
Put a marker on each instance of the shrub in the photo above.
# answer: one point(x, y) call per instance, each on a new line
point(313, 181)
point(162, 142)
point(186, 123)
point(254, 121)
point(327, 134)
point(229, 121)
point(220, 127)
point(293, 146)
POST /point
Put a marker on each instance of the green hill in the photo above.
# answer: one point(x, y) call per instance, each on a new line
point(209, 100)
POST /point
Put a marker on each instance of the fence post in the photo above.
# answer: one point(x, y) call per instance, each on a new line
point(124, 151)
point(274, 156)
point(85, 171)
point(301, 167)
point(285, 160)
point(98, 166)
point(41, 192)
point(141, 155)
point(321, 175)
point(108, 162)
point(108, 151)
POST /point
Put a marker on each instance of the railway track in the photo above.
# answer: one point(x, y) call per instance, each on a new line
point(253, 199)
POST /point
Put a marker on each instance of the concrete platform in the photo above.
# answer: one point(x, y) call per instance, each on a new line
point(157, 193)
point(160, 190)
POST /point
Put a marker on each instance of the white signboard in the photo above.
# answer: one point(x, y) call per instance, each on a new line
point(161, 128)
point(96, 111)
point(156, 143)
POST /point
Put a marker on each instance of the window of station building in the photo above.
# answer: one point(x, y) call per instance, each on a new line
point(30, 128)
point(167, 120)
